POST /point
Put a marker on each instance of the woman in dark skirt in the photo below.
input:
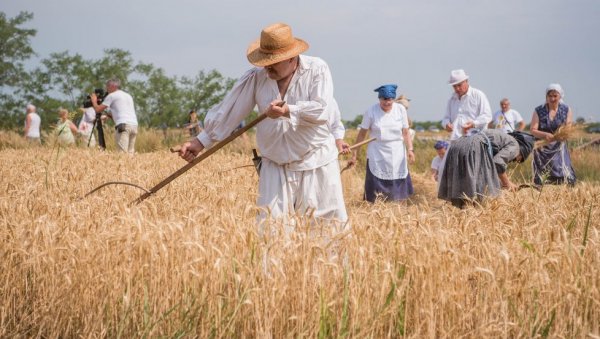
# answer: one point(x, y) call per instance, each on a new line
point(476, 165)
point(387, 157)
point(552, 162)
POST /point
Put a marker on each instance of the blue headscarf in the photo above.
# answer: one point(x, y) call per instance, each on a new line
point(387, 91)
point(440, 144)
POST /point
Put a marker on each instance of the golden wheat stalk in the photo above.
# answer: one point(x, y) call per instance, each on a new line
point(563, 133)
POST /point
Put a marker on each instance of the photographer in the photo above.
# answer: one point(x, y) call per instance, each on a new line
point(122, 111)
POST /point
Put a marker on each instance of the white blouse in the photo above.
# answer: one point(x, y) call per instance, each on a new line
point(387, 154)
point(471, 107)
point(301, 142)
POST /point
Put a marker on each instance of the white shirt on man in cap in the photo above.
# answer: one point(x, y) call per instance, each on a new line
point(471, 108)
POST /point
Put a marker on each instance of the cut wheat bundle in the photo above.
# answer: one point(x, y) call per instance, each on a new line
point(563, 133)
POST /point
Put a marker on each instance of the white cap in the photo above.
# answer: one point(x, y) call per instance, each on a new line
point(457, 76)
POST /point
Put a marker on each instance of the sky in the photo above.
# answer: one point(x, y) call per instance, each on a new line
point(510, 48)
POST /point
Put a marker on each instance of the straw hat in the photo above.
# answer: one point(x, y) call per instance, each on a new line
point(403, 100)
point(276, 44)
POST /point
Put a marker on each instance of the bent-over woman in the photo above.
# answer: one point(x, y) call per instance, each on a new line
point(476, 165)
point(387, 157)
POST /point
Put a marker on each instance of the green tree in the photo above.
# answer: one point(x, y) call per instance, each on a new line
point(204, 91)
point(157, 97)
point(66, 75)
point(353, 123)
point(15, 48)
point(115, 63)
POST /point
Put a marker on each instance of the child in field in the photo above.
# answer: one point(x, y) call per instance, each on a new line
point(65, 128)
point(440, 147)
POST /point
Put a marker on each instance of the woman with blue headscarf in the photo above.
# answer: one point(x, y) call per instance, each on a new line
point(387, 174)
point(552, 162)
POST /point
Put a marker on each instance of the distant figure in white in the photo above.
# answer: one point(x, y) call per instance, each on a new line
point(86, 126)
point(507, 119)
point(32, 125)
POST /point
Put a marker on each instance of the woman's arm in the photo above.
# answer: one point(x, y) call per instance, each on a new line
point(409, 145)
point(434, 174)
point(569, 116)
point(505, 181)
point(27, 124)
point(535, 124)
point(72, 127)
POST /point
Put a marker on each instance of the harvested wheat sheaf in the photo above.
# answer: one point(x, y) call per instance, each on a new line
point(191, 261)
point(563, 133)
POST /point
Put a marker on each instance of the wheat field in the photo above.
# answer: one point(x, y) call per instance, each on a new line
point(190, 262)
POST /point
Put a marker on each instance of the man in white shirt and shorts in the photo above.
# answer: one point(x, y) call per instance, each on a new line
point(122, 111)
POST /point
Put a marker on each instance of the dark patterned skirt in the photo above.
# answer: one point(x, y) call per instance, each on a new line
point(388, 190)
point(469, 172)
point(552, 165)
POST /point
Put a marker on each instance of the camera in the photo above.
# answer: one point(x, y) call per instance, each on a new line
point(100, 94)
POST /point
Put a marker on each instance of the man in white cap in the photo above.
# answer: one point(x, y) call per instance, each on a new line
point(468, 108)
point(300, 173)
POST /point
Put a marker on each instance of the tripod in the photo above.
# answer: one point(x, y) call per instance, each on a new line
point(97, 124)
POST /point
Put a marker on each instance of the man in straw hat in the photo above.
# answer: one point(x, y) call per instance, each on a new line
point(300, 172)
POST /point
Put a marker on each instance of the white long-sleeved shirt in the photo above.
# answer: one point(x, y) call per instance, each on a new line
point(301, 142)
point(335, 122)
point(473, 106)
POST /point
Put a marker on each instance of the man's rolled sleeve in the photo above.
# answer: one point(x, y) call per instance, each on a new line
point(204, 139)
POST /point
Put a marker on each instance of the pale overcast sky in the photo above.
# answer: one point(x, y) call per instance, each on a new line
point(511, 48)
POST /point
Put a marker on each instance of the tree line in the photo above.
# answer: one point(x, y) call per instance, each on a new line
point(64, 79)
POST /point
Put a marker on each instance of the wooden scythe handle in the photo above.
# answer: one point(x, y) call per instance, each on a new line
point(361, 143)
point(199, 158)
point(202, 156)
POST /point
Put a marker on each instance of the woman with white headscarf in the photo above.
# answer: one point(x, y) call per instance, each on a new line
point(552, 162)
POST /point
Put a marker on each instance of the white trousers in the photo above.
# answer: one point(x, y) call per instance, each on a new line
point(316, 193)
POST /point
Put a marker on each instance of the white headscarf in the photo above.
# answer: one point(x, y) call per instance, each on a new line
point(556, 87)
